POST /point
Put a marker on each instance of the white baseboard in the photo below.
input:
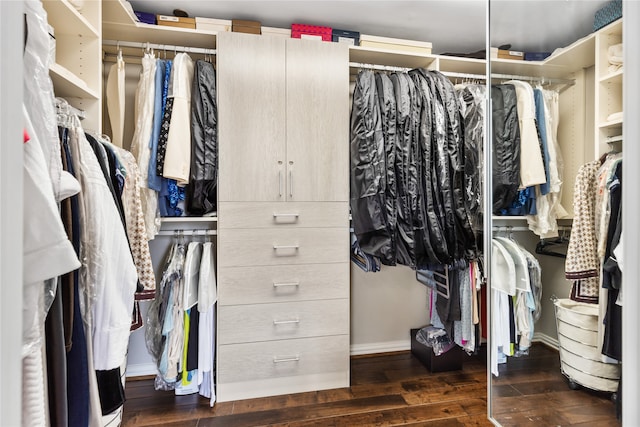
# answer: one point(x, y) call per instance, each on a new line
point(141, 370)
point(380, 347)
point(546, 339)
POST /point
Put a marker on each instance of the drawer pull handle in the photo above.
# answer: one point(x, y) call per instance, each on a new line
point(280, 285)
point(277, 215)
point(286, 322)
point(276, 247)
point(277, 359)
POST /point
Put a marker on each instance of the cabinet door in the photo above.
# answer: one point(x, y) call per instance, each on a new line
point(251, 117)
point(317, 121)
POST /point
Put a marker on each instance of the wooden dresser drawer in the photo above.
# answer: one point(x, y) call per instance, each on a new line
point(281, 283)
point(283, 358)
point(251, 247)
point(285, 320)
point(283, 214)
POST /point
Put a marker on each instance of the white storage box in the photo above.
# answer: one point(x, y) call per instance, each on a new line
point(395, 44)
point(273, 31)
point(211, 24)
point(580, 355)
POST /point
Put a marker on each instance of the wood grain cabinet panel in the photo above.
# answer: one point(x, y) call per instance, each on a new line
point(251, 117)
point(283, 215)
point(253, 247)
point(281, 283)
point(278, 321)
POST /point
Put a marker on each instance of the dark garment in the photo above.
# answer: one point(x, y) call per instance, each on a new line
point(202, 189)
point(192, 349)
point(506, 147)
point(110, 389)
point(523, 204)
point(66, 281)
point(56, 362)
point(103, 160)
point(611, 275)
point(404, 90)
point(455, 151)
point(387, 108)
point(164, 136)
point(449, 308)
point(368, 169)
point(77, 363)
point(541, 126)
point(512, 324)
point(473, 99)
point(429, 215)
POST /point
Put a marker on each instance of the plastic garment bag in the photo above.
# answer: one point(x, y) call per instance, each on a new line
point(472, 98)
point(368, 170)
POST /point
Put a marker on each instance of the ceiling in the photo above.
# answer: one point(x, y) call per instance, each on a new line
point(451, 25)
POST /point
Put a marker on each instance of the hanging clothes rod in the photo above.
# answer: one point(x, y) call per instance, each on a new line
point(179, 233)
point(161, 47)
point(542, 80)
point(378, 67)
point(508, 228)
point(405, 69)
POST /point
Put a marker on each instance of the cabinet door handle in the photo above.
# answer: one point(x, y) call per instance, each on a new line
point(280, 183)
point(286, 322)
point(290, 183)
point(277, 359)
point(283, 284)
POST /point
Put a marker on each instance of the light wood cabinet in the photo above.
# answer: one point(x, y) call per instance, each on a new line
point(251, 117)
point(283, 243)
point(286, 119)
point(317, 121)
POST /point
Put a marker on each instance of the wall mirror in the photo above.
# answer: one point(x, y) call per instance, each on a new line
point(555, 138)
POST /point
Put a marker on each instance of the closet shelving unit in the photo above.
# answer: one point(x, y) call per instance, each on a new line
point(119, 23)
point(77, 72)
point(578, 109)
point(608, 89)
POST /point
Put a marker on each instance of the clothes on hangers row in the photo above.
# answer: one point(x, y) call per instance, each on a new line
point(409, 198)
point(454, 306)
point(175, 137)
point(180, 333)
point(527, 166)
point(368, 263)
point(516, 282)
point(86, 254)
point(594, 254)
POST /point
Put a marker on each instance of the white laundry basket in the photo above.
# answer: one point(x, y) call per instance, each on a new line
point(580, 355)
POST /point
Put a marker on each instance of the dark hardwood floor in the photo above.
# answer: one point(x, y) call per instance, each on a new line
point(395, 389)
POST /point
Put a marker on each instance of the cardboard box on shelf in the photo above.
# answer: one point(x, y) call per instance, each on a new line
point(273, 31)
point(345, 36)
point(176, 21)
point(395, 44)
point(511, 54)
point(212, 24)
point(245, 26)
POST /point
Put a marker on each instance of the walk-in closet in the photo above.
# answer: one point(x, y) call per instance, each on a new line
point(247, 213)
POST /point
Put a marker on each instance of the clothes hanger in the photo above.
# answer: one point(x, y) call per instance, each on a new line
point(556, 247)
